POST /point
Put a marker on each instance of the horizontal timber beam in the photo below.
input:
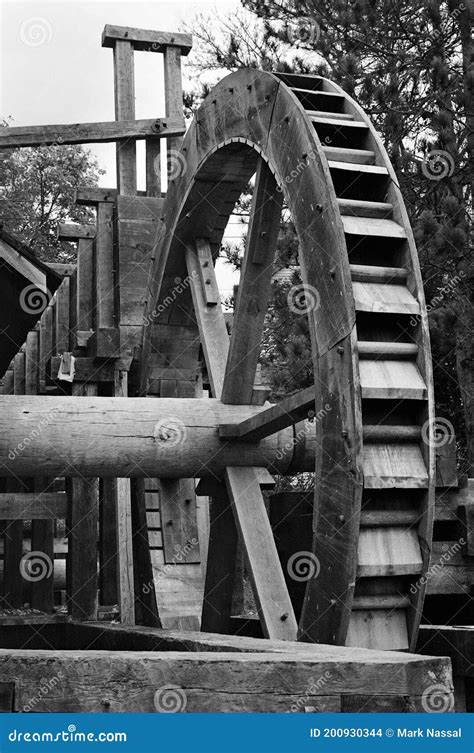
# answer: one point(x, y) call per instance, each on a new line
point(146, 40)
point(136, 437)
point(30, 506)
point(89, 133)
point(72, 231)
point(263, 424)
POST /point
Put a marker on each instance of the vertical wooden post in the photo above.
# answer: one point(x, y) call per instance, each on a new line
point(85, 284)
point(13, 546)
point(126, 589)
point(105, 288)
point(125, 110)
point(82, 538)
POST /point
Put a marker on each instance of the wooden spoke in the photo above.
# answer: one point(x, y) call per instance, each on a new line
point(279, 416)
point(254, 288)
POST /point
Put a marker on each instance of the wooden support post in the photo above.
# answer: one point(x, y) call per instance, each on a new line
point(271, 594)
point(146, 606)
point(125, 110)
point(104, 266)
point(82, 538)
point(13, 530)
point(61, 311)
point(126, 591)
point(218, 587)
point(85, 299)
point(108, 577)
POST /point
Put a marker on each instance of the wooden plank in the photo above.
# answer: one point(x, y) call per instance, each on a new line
point(178, 516)
point(146, 607)
point(85, 300)
point(372, 227)
point(358, 168)
point(139, 208)
point(104, 267)
point(254, 288)
point(93, 195)
point(219, 581)
point(42, 544)
point(32, 506)
point(173, 97)
point(385, 298)
point(270, 590)
point(388, 551)
point(124, 129)
point(126, 588)
point(74, 231)
point(286, 413)
point(7, 697)
point(391, 433)
point(146, 40)
point(394, 465)
point(61, 311)
point(341, 154)
point(215, 681)
point(357, 208)
point(378, 629)
point(211, 324)
point(124, 87)
point(82, 572)
point(387, 350)
point(373, 274)
point(391, 380)
point(446, 460)
point(31, 363)
point(108, 575)
point(206, 264)
point(46, 345)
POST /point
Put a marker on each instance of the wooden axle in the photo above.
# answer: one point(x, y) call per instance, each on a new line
point(136, 437)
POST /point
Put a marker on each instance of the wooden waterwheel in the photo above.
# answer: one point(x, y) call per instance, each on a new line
point(311, 144)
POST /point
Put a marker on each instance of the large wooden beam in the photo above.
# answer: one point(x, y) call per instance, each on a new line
point(146, 40)
point(89, 133)
point(108, 436)
point(289, 411)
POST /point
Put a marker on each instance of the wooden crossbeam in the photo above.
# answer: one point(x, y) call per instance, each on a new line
point(269, 587)
point(30, 506)
point(73, 231)
point(89, 133)
point(279, 416)
point(146, 40)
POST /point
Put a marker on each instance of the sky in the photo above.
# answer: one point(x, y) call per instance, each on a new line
point(54, 70)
